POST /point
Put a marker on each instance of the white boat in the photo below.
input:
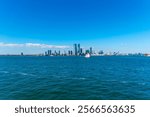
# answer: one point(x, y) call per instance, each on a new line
point(148, 55)
point(87, 55)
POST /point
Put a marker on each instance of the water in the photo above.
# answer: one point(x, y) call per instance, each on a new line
point(97, 78)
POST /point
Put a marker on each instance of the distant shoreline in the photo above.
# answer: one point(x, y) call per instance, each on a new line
point(75, 56)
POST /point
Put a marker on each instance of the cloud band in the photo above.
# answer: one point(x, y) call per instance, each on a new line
point(37, 45)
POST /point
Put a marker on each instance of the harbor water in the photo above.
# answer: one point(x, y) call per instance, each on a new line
point(74, 78)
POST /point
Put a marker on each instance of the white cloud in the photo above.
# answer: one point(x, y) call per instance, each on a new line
point(37, 45)
point(10, 45)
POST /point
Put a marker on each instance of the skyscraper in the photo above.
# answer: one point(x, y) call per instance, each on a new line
point(22, 54)
point(87, 51)
point(59, 52)
point(49, 52)
point(75, 50)
point(101, 52)
point(71, 53)
point(79, 49)
point(55, 53)
point(45, 53)
point(91, 51)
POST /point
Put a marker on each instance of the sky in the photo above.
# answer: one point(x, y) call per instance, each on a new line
point(33, 26)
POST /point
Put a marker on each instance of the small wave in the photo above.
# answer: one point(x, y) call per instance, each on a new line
point(142, 83)
point(26, 74)
point(124, 82)
point(82, 78)
point(110, 80)
point(78, 78)
point(5, 72)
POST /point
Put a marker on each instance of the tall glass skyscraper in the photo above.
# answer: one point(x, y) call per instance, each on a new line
point(79, 49)
point(49, 52)
point(75, 50)
point(91, 51)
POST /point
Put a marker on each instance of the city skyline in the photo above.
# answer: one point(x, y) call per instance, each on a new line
point(76, 50)
point(35, 26)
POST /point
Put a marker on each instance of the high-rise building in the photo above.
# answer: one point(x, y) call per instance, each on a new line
point(49, 52)
point(91, 51)
point(55, 52)
point(71, 53)
point(65, 53)
point(87, 51)
point(75, 50)
point(79, 49)
point(45, 53)
point(22, 54)
point(101, 52)
point(59, 52)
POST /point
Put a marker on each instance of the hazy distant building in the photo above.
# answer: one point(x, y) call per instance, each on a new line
point(71, 53)
point(45, 53)
point(65, 54)
point(59, 52)
point(21, 53)
point(55, 52)
point(81, 51)
point(101, 52)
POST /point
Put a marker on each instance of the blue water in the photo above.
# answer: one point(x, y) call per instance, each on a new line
point(23, 77)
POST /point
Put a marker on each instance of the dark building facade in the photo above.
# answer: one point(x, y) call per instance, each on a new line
point(75, 50)
point(91, 51)
point(79, 49)
point(49, 52)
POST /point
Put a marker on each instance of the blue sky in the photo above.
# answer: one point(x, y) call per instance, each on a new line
point(109, 25)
